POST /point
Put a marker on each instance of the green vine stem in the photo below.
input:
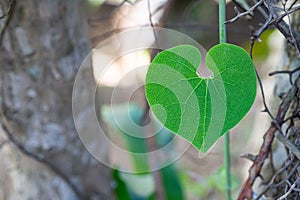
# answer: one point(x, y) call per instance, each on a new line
point(222, 17)
point(222, 38)
point(227, 165)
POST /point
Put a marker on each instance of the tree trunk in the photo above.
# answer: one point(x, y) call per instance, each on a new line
point(282, 158)
point(41, 49)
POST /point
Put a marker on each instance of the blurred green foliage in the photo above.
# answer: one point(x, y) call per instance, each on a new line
point(127, 120)
point(261, 49)
point(95, 3)
point(204, 187)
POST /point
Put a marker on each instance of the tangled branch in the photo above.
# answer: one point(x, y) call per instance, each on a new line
point(255, 169)
point(274, 16)
point(274, 12)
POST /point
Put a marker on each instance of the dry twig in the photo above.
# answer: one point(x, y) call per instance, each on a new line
point(255, 169)
point(274, 12)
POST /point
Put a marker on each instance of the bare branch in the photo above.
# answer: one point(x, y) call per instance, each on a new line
point(288, 144)
point(263, 95)
point(273, 17)
point(290, 190)
point(255, 169)
point(271, 183)
point(248, 12)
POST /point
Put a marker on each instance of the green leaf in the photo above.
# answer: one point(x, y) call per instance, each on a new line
point(220, 180)
point(199, 109)
point(141, 185)
point(127, 119)
point(120, 189)
point(171, 183)
point(200, 188)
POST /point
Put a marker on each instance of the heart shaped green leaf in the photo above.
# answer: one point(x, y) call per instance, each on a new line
point(199, 109)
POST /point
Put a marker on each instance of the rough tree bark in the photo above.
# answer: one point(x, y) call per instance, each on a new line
point(281, 157)
point(42, 46)
point(274, 173)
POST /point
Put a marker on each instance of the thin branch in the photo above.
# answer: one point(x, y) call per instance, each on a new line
point(290, 72)
point(271, 182)
point(270, 11)
point(288, 144)
point(290, 27)
point(264, 27)
point(292, 5)
point(255, 169)
point(287, 12)
point(248, 12)
point(290, 190)
point(249, 156)
point(287, 176)
point(291, 35)
point(254, 172)
point(263, 96)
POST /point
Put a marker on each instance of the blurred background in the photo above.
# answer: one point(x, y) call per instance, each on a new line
point(43, 44)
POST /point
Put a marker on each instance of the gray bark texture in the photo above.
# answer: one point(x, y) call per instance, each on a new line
point(42, 46)
point(280, 169)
